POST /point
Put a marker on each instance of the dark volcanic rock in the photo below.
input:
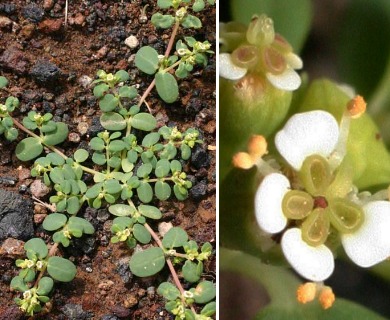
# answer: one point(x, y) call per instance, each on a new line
point(46, 72)
point(200, 158)
point(75, 312)
point(199, 190)
point(33, 12)
point(16, 216)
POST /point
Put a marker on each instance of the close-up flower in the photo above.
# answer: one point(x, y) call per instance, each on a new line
point(262, 52)
point(316, 204)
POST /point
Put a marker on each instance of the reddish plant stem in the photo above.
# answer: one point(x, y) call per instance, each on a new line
point(51, 253)
point(23, 128)
point(170, 265)
point(167, 51)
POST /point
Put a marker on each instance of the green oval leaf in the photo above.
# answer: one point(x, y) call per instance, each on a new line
point(148, 262)
point(17, 283)
point(54, 221)
point(57, 136)
point(168, 291)
point(121, 210)
point(100, 89)
point(3, 82)
point(162, 21)
point(144, 121)
point(166, 86)
point(163, 168)
point(61, 269)
point(162, 190)
point(45, 285)
point(192, 271)
point(145, 192)
point(127, 92)
point(81, 155)
point(141, 233)
point(204, 292)
point(37, 247)
point(191, 21)
point(108, 103)
point(209, 309)
point(112, 121)
point(175, 237)
point(28, 149)
point(150, 211)
point(147, 60)
point(122, 75)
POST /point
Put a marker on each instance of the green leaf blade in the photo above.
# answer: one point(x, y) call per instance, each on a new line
point(167, 87)
point(148, 262)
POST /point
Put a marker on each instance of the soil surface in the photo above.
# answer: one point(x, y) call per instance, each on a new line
point(50, 68)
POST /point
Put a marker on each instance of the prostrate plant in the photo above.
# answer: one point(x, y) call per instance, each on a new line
point(188, 53)
point(132, 163)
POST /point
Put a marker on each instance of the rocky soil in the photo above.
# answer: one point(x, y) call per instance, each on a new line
point(50, 68)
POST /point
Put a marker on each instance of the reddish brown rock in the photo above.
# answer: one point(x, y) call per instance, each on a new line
point(50, 25)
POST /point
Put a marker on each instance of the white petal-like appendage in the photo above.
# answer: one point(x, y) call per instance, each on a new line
point(305, 134)
point(370, 244)
point(228, 70)
point(293, 60)
point(268, 203)
point(288, 80)
point(312, 263)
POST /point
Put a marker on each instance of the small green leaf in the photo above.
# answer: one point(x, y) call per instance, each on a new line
point(191, 21)
point(82, 224)
point(145, 192)
point(61, 269)
point(175, 237)
point(144, 170)
point(112, 186)
point(17, 283)
point(164, 4)
point(3, 82)
point(168, 291)
point(11, 134)
point(162, 190)
point(54, 221)
point(185, 151)
point(116, 146)
point(100, 89)
point(150, 211)
point(108, 103)
point(175, 166)
point(204, 292)
point(73, 205)
point(162, 21)
point(198, 5)
point(162, 168)
point(45, 285)
point(97, 144)
point(192, 271)
point(127, 92)
point(122, 75)
point(121, 210)
point(181, 193)
point(28, 149)
point(37, 247)
point(150, 139)
point(144, 121)
point(81, 155)
point(57, 136)
point(99, 158)
point(209, 309)
point(148, 262)
point(141, 233)
point(112, 121)
point(166, 86)
point(147, 60)
point(55, 159)
point(127, 166)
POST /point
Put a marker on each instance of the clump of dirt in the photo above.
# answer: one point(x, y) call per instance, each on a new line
point(50, 68)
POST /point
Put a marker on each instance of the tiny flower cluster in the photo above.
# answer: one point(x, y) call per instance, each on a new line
point(259, 50)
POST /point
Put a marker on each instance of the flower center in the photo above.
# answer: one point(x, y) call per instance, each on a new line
point(320, 202)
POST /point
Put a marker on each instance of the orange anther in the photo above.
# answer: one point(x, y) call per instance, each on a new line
point(356, 107)
point(243, 160)
point(326, 298)
point(306, 292)
point(257, 146)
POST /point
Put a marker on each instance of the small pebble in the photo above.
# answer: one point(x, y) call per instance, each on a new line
point(48, 4)
point(164, 227)
point(132, 42)
point(82, 128)
point(5, 22)
point(39, 189)
point(85, 81)
point(74, 137)
point(12, 248)
point(38, 218)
